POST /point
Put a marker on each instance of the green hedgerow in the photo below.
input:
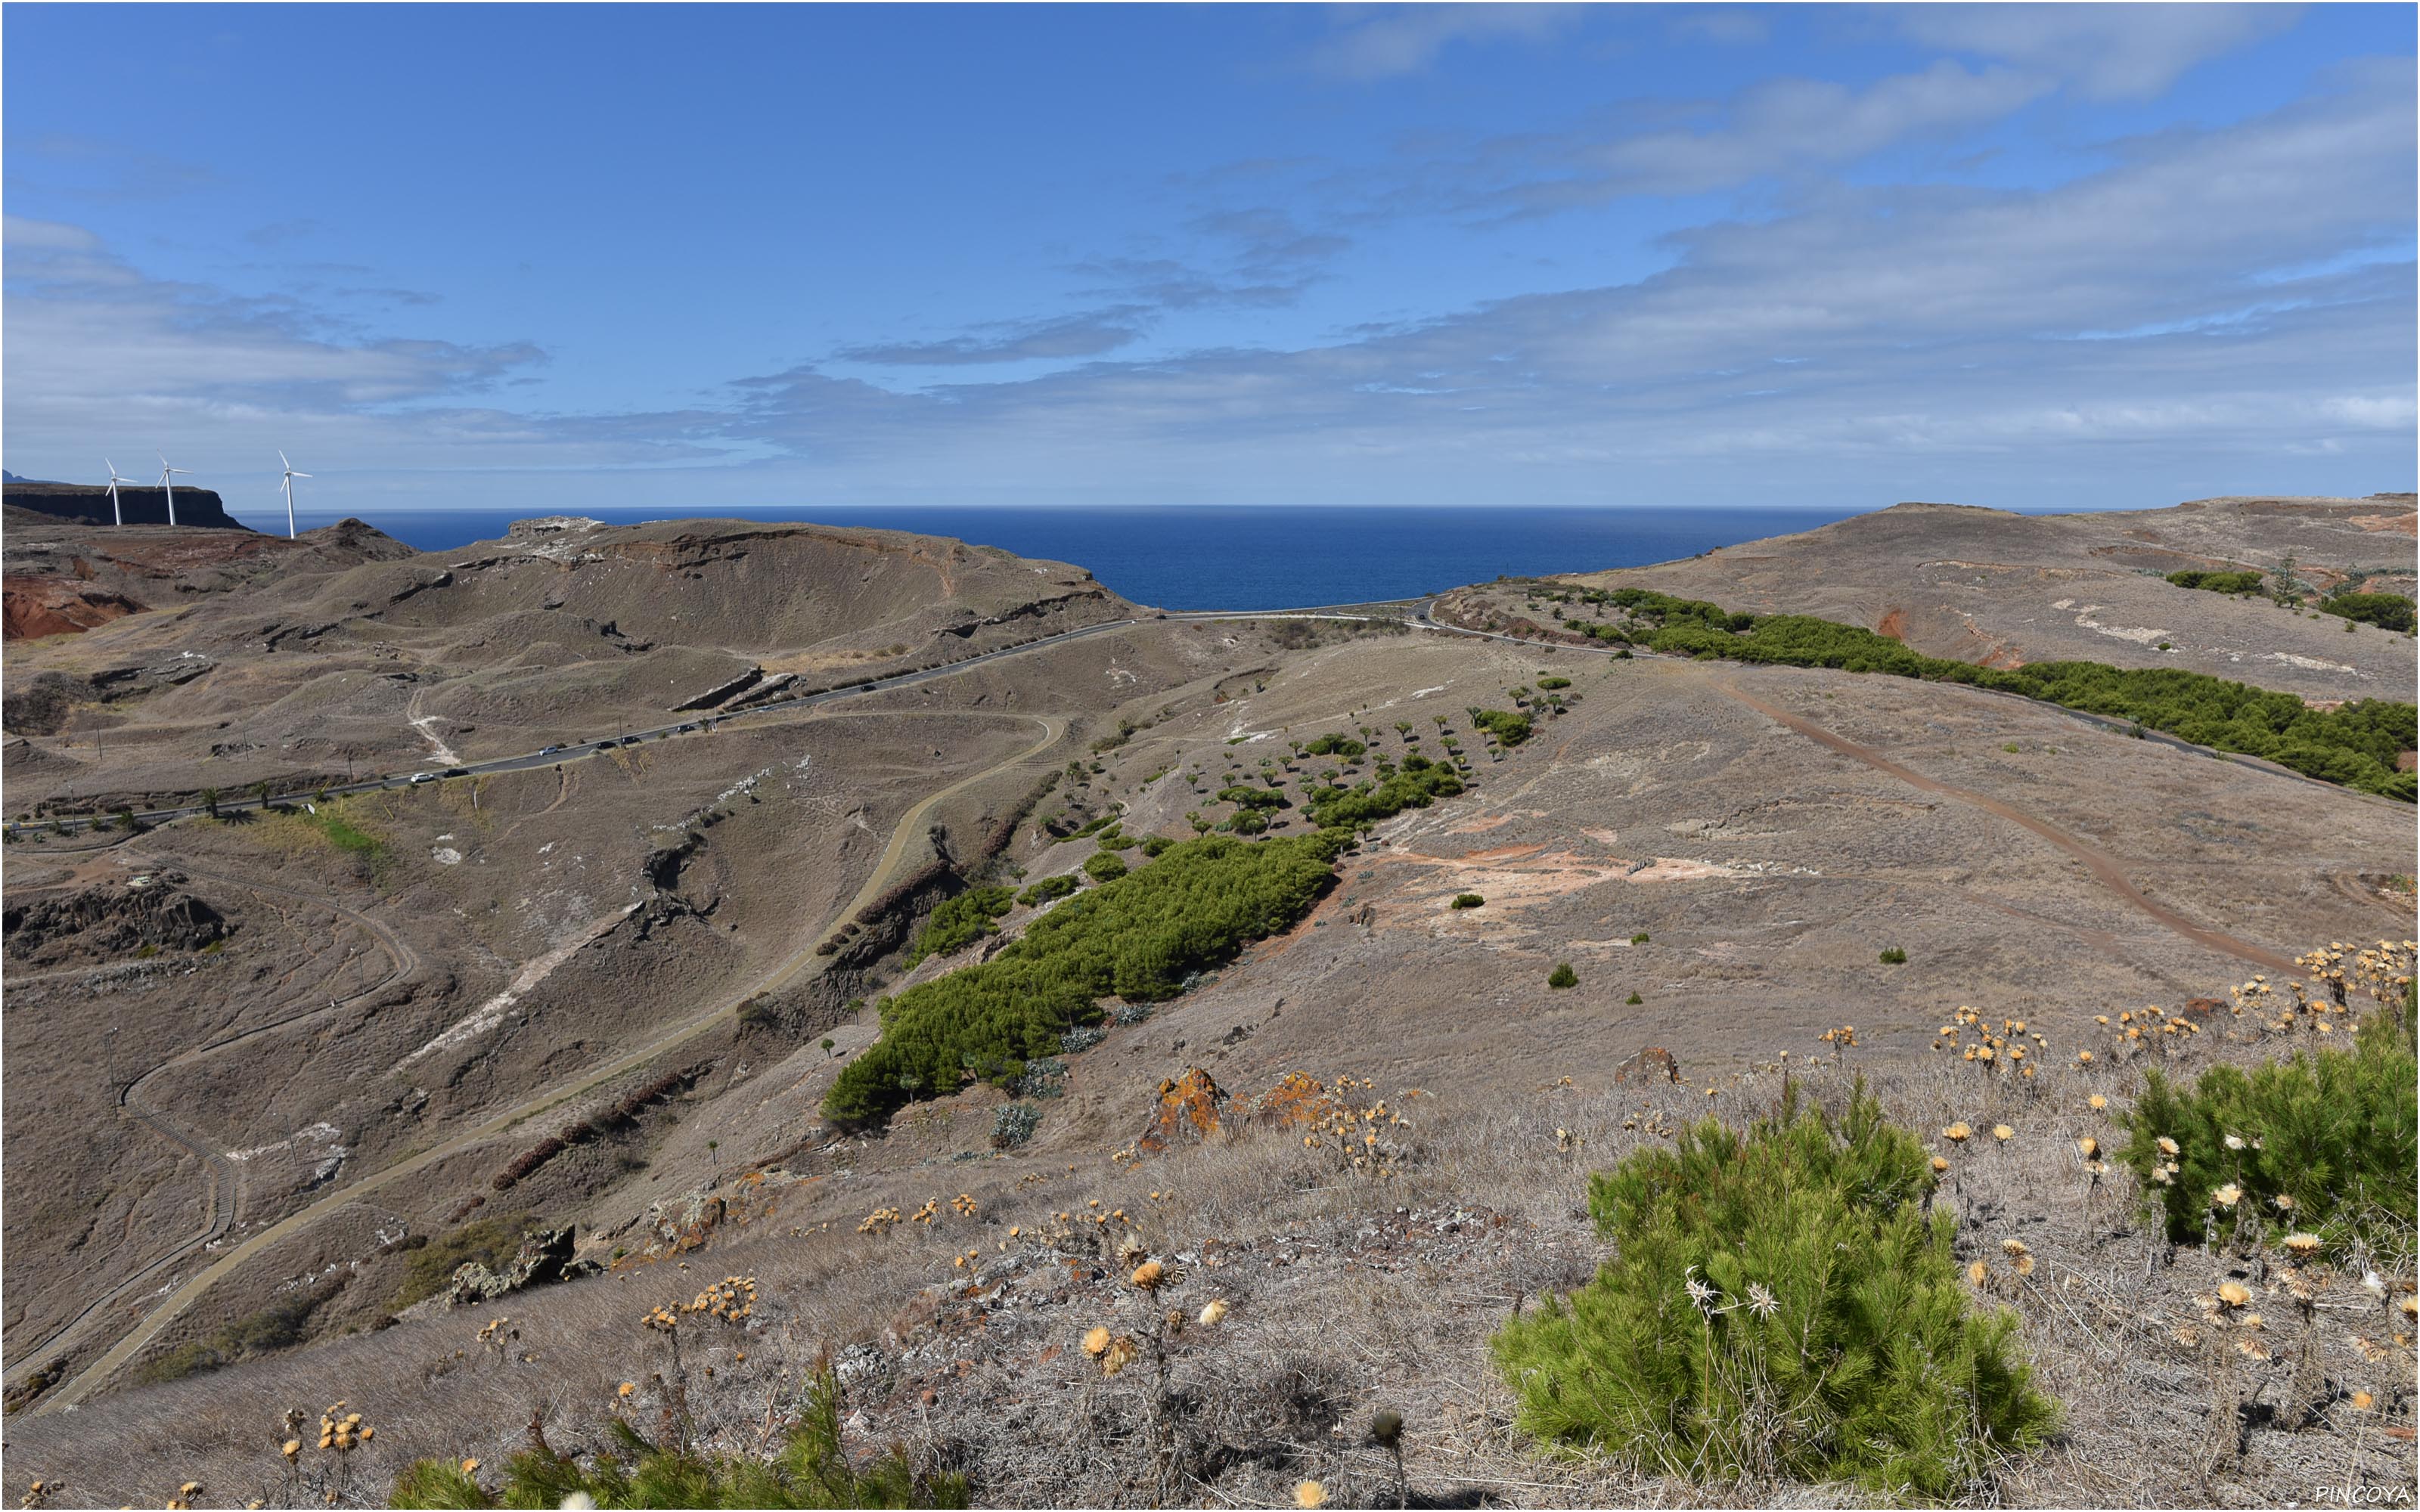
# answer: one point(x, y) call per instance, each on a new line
point(2331, 1131)
point(1469, 899)
point(1780, 1305)
point(1562, 976)
point(812, 1470)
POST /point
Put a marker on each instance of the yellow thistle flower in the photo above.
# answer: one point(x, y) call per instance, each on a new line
point(2228, 1195)
point(1098, 1342)
point(470, 1467)
point(2362, 1401)
point(2088, 1147)
point(1120, 1354)
point(626, 1388)
point(1957, 1133)
point(1215, 1313)
point(2302, 1246)
point(1309, 1494)
point(2234, 1294)
point(1979, 1273)
point(2002, 1132)
point(1148, 1275)
point(2098, 1102)
point(2167, 1146)
point(2024, 1265)
point(1940, 1164)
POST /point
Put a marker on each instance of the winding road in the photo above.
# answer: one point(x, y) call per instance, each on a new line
point(802, 961)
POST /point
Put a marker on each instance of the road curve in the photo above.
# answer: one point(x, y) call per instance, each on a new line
point(902, 836)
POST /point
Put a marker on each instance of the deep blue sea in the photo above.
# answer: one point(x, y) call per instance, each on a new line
point(1258, 557)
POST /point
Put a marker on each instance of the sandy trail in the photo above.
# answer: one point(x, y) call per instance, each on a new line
point(2104, 869)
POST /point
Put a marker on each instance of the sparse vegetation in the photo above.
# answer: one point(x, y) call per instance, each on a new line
point(2355, 745)
point(1105, 866)
point(1562, 976)
point(2219, 583)
point(2388, 611)
point(1469, 899)
point(1894, 957)
point(489, 1241)
point(810, 1469)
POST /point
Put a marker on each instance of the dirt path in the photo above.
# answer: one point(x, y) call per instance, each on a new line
point(907, 832)
point(2104, 869)
point(217, 1173)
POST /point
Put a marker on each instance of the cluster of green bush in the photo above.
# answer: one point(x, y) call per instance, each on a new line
point(1780, 1304)
point(1136, 936)
point(958, 923)
point(1105, 866)
point(1416, 784)
point(1335, 745)
point(2218, 582)
point(2355, 745)
point(1507, 728)
point(2388, 611)
point(2334, 1133)
point(1049, 889)
point(1252, 797)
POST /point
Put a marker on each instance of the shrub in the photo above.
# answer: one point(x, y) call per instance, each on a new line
point(1013, 1124)
point(2218, 582)
point(811, 1469)
point(1549, 684)
point(1136, 937)
point(958, 923)
point(2332, 1131)
point(1894, 957)
point(1634, 1000)
point(1562, 976)
point(1049, 889)
point(1105, 866)
point(1155, 845)
point(431, 1267)
point(1507, 729)
point(1416, 784)
point(1779, 1304)
point(2388, 611)
point(1469, 899)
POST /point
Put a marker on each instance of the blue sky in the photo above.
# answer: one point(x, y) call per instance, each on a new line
point(2068, 257)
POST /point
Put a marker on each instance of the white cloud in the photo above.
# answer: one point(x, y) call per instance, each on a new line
point(2109, 52)
point(1403, 39)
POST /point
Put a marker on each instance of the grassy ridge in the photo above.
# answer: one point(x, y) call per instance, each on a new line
point(2355, 745)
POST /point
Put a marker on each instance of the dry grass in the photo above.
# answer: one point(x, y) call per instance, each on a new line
point(1350, 1289)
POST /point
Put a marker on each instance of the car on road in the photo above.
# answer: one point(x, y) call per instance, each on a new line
point(548, 750)
point(457, 771)
point(686, 730)
point(418, 777)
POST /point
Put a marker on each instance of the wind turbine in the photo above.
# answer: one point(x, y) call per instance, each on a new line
point(290, 476)
point(170, 489)
point(116, 515)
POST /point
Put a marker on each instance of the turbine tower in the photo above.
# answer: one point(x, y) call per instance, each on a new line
point(290, 476)
point(170, 488)
point(116, 515)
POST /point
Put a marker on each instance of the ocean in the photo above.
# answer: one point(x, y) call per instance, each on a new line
point(1258, 557)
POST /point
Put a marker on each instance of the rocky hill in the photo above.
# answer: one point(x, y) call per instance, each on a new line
point(503, 1108)
point(199, 509)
